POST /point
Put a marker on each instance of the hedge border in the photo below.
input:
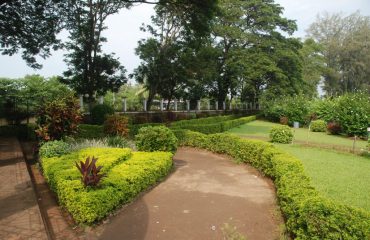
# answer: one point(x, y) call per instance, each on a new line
point(308, 214)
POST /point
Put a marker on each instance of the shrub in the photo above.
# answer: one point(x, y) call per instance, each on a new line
point(87, 131)
point(99, 113)
point(116, 125)
point(54, 149)
point(308, 214)
point(134, 129)
point(281, 134)
point(318, 126)
point(127, 174)
point(324, 109)
point(354, 113)
point(334, 128)
point(159, 138)
point(284, 120)
point(91, 175)
point(296, 109)
point(58, 118)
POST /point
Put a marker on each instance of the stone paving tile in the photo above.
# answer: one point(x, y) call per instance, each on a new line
point(20, 216)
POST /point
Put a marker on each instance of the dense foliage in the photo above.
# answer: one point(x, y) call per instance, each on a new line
point(281, 134)
point(159, 138)
point(125, 178)
point(116, 125)
point(100, 112)
point(295, 109)
point(58, 118)
point(318, 126)
point(308, 214)
point(20, 98)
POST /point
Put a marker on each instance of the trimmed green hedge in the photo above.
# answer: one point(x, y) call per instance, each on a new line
point(89, 131)
point(23, 131)
point(202, 121)
point(218, 127)
point(127, 174)
point(308, 214)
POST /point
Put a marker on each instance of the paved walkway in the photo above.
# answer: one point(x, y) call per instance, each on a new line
point(207, 197)
point(20, 216)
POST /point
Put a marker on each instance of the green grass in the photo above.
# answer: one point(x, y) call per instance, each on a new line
point(260, 129)
point(343, 177)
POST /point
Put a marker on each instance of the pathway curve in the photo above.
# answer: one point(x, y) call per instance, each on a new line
point(207, 197)
point(20, 216)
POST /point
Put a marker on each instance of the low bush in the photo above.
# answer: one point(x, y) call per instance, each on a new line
point(318, 126)
point(127, 174)
point(87, 131)
point(134, 129)
point(54, 149)
point(100, 112)
point(116, 125)
point(334, 128)
point(151, 139)
point(308, 214)
point(281, 134)
point(203, 121)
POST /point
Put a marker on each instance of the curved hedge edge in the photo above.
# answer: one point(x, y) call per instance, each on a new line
point(308, 214)
point(218, 127)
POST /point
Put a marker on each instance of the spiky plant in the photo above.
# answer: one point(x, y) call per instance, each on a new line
point(91, 175)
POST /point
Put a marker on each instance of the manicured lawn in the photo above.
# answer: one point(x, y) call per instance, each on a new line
point(340, 176)
point(260, 129)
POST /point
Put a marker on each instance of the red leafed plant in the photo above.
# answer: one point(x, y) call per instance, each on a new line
point(91, 175)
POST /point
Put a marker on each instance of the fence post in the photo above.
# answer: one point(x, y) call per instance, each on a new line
point(124, 103)
point(81, 102)
point(188, 105)
point(144, 104)
point(101, 100)
point(216, 105)
point(224, 105)
point(198, 105)
point(175, 101)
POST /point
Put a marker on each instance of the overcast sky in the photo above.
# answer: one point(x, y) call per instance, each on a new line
point(123, 33)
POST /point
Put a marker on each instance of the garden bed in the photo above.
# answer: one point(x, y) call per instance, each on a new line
point(126, 175)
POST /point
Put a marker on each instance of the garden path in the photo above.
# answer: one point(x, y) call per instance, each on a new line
point(206, 197)
point(20, 216)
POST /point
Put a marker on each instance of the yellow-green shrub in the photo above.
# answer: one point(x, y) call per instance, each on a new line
point(127, 174)
point(308, 214)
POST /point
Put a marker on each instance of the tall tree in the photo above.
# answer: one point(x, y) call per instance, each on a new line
point(167, 54)
point(346, 43)
point(251, 51)
point(91, 72)
point(31, 26)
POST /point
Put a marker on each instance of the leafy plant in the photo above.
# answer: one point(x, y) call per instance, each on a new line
point(284, 120)
point(281, 134)
point(91, 175)
point(151, 139)
point(116, 125)
point(54, 149)
point(334, 128)
point(119, 142)
point(318, 126)
point(58, 118)
point(354, 113)
point(99, 113)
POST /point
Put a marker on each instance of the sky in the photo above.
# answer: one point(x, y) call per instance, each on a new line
point(123, 33)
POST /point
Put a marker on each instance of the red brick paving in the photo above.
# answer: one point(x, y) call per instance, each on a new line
point(20, 216)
